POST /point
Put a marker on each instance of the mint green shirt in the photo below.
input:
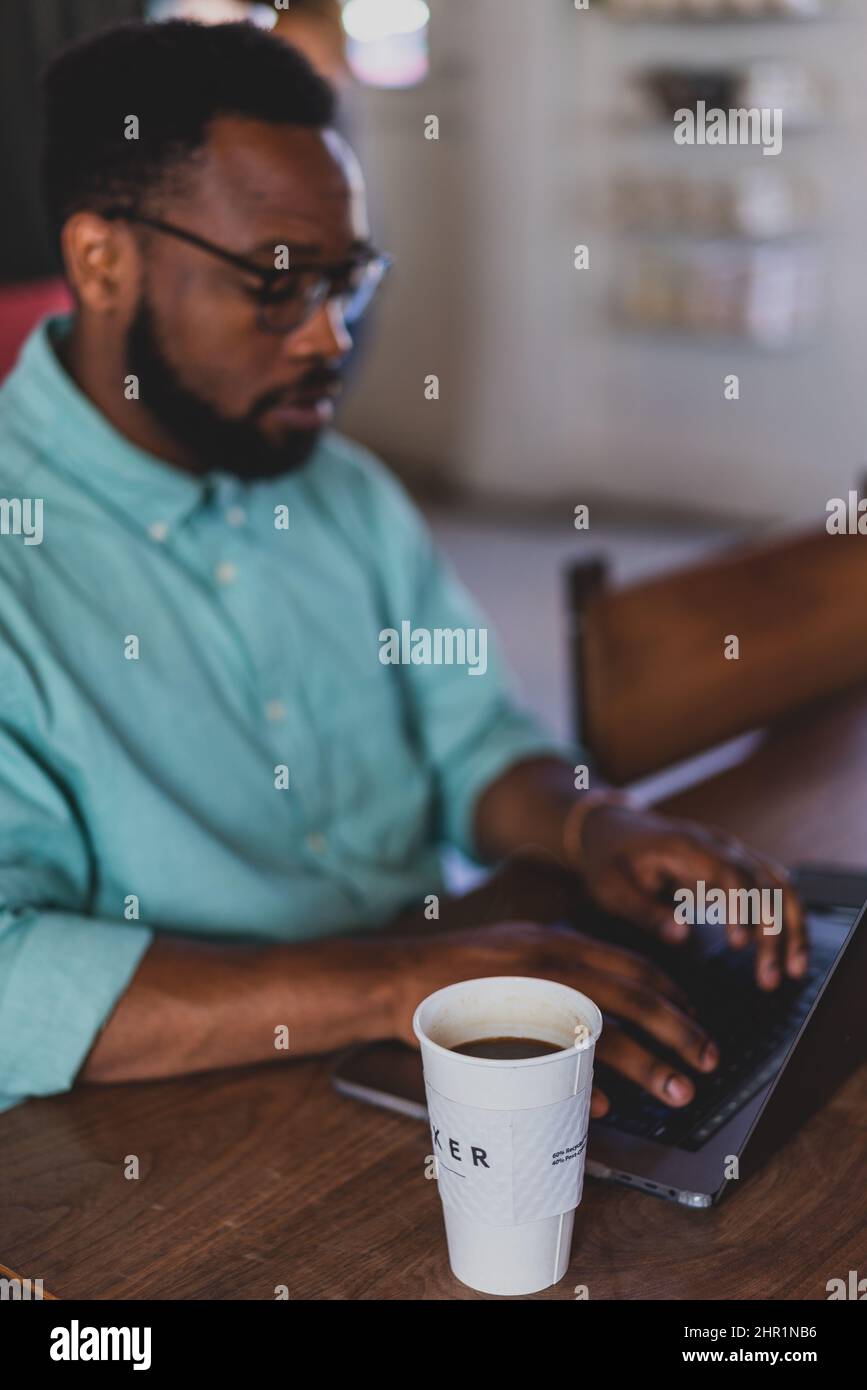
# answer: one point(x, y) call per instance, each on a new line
point(197, 733)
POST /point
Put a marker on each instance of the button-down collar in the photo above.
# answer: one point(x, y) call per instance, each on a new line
point(80, 440)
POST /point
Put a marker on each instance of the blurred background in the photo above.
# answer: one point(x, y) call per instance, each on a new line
point(561, 386)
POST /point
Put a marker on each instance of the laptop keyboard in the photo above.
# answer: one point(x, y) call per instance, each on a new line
point(753, 1031)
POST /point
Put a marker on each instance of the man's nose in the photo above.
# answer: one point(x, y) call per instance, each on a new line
point(323, 335)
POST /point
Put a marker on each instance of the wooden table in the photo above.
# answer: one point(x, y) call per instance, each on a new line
point(262, 1177)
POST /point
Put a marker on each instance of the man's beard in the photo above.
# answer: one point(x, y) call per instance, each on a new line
point(216, 442)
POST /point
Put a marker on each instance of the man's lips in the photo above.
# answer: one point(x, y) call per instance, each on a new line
point(303, 409)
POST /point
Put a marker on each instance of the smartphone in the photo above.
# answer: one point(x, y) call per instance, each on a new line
point(387, 1074)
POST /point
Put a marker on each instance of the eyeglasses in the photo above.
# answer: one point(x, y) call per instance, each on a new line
point(289, 298)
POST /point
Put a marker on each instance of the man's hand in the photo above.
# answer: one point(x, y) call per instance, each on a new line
point(634, 861)
point(621, 982)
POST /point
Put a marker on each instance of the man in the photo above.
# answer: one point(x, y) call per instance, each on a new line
point(214, 795)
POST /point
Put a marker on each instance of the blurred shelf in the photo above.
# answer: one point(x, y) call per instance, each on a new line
point(730, 22)
point(675, 237)
point(690, 338)
point(724, 16)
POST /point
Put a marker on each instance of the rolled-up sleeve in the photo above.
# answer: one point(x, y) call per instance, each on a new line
point(61, 970)
point(467, 715)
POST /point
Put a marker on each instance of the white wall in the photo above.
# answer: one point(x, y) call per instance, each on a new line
point(542, 396)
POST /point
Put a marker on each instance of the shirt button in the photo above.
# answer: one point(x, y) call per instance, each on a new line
point(316, 843)
point(158, 530)
point(226, 573)
point(275, 710)
point(236, 516)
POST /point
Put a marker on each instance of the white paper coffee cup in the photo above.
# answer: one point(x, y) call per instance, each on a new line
point(509, 1137)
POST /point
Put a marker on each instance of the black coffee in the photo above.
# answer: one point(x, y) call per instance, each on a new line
point(506, 1049)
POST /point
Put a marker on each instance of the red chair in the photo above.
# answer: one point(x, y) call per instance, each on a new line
point(21, 308)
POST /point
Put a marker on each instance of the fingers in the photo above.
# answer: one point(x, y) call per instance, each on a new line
point(674, 863)
point(769, 938)
point(780, 933)
point(657, 1016)
point(784, 944)
point(653, 873)
point(750, 883)
point(599, 1103)
point(616, 960)
point(632, 1060)
point(623, 893)
point(681, 863)
point(796, 934)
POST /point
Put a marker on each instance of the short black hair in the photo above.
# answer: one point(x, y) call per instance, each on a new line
point(175, 77)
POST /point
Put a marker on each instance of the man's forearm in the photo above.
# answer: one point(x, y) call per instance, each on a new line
point(194, 1006)
point(527, 810)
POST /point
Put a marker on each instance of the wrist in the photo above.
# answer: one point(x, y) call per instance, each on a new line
point(394, 987)
point(384, 986)
point(577, 817)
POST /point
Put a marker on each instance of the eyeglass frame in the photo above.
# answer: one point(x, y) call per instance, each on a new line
point(267, 278)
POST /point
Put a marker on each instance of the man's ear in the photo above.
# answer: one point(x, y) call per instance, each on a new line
point(102, 262)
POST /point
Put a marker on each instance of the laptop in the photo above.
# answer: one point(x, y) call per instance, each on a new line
point(783, 1054)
